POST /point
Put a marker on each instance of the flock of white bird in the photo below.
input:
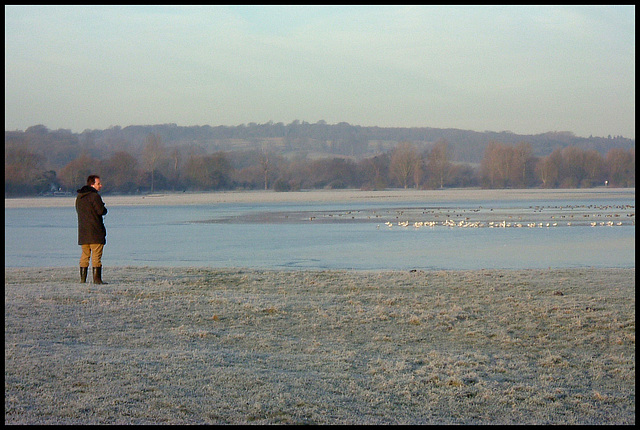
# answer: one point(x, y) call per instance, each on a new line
point(533, 217)
point(555, 216)
point(491, 224)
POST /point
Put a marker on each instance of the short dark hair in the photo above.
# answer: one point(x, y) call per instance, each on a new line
point(92, 179)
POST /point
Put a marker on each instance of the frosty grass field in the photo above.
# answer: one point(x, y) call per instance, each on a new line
point(325, 347)
point(248, 346)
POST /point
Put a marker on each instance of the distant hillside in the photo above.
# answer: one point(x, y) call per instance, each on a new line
point(317, 140)
point(308, 156)
point(352, 140)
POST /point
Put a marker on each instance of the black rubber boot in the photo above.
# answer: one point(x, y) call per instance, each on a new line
point(83, 274)
point(97, 275)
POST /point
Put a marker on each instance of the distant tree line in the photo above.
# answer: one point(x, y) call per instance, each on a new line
point(39, 161)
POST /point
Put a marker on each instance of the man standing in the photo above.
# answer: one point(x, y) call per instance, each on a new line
point(92, 234)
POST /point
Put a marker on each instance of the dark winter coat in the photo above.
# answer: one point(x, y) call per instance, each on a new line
point(90, 209)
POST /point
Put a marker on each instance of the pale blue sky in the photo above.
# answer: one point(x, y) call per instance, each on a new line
point(524, 69)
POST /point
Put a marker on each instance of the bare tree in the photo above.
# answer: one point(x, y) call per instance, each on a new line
point(494, 165)
point(403, 162)
point(594, 166)
point(21, 167)
point(74, 174)
point(208, 172)
point(122, 170)
point(418, 172)
point(374, 171)
point(549, 169)
point(152, 153)
point(621, 167)
point(176, 157)
point(522, 160)
point(438, 165)
point(573, 172)
point(264, 163)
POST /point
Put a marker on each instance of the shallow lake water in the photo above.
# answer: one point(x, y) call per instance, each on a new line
point(339, 235)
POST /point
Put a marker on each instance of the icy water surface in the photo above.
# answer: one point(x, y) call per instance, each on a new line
point(364, 236)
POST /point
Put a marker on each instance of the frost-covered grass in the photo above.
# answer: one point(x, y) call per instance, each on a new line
point(176, 346)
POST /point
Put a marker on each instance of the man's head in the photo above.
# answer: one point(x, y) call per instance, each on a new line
point(94, 181)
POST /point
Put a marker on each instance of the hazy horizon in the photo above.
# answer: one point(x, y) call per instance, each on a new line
point(528, 70)
point(51, 129)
